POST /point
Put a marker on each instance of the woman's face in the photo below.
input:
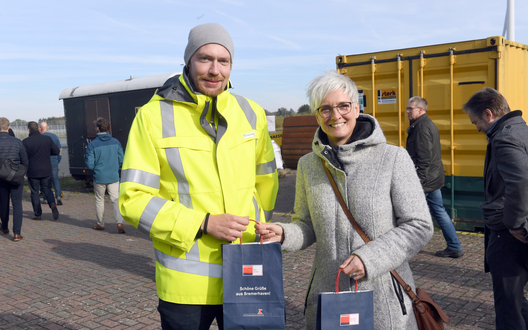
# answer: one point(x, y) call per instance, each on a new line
point(338, 127)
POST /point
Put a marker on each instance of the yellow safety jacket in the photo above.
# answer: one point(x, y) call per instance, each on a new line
point(187, 155)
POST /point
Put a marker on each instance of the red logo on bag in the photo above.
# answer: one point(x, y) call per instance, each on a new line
point(252, 270)
point(349, 319)
point(260, 312)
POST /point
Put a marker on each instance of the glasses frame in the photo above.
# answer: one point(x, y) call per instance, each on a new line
point(318, 110)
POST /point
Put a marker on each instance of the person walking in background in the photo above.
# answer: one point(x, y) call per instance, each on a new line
point(39, 150)
point(379, 184)
point(505, 210)
point(423, 145)
point(104, 157)
point(13, 149)
point(199, 163)
point(55, 160)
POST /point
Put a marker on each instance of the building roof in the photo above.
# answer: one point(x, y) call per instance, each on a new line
point(117, 86)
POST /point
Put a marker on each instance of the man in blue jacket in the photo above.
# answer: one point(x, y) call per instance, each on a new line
point(104, 156)
point(55, 160)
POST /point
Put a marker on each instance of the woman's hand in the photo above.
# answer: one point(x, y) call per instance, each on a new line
point(353, 267)
point(270, 232)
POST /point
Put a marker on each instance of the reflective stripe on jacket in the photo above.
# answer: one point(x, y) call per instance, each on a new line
point(178, 167)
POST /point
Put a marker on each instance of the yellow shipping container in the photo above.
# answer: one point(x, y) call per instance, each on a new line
point(446, 75)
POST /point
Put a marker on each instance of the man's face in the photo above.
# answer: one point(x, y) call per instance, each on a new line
point(210, 68)
point(482, 124)
point(413, 112)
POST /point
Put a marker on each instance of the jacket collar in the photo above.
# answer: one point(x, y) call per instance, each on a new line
point(502, 121)
point(413, 123)
point(366, 133)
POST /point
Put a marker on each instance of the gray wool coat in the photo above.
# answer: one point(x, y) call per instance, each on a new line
point(380, 185)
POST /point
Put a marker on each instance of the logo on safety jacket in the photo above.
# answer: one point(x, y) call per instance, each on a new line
point(252, 270)
point(349, 319)
point(249, 135)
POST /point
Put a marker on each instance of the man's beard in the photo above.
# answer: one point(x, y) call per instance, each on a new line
point(208, 91)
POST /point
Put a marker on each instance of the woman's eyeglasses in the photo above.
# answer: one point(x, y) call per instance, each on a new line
point(326, 110)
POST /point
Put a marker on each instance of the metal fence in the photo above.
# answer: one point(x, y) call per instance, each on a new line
point(21, 131)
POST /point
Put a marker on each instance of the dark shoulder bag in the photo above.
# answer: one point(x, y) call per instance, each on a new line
point(11, 172)
point(429, 315)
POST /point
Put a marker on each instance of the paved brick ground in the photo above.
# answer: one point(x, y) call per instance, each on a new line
point(65, 275)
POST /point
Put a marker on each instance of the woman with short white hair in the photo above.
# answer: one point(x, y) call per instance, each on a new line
point(380, 186)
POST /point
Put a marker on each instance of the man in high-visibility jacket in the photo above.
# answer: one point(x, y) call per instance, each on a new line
point(198, 165)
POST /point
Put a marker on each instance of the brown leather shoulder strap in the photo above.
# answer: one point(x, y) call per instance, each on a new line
point(343, 205)
point(360, 231)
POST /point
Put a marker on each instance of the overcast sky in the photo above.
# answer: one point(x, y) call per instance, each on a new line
point(48, 46)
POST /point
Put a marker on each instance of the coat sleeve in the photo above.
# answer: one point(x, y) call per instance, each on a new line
point(266, 181)
point(424, 152)
point(414, 227)
point(139, 202)
point(54, 149)
point(24, 160)
point(57, 142)
point(120, 153)
point(90, 157)
point(512, 164)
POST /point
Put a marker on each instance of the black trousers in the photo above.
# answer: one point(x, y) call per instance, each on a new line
point(189, 317)
point(507, 259)
point(11, 192)
point(35, 185)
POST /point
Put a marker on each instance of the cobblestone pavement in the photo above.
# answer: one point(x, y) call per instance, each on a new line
point(65, 275)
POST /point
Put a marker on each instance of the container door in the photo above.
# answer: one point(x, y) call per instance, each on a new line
point(383, 89)
point(94, 109)
point(446, 79)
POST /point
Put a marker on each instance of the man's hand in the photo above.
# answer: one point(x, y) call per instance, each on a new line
point(519, 234)
point(226, 226)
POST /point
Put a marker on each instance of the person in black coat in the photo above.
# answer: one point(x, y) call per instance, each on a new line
point(39, 149)
point(505, 210)
point(423, 145)
point(13, 149)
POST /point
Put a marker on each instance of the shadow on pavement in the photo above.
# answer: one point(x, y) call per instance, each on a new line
point(107, 257)
point(32, 321)
point(286, 195)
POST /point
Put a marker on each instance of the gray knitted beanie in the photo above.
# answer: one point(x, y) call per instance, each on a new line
point(209, 33)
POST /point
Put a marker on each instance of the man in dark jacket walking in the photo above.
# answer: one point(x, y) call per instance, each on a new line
point(13, 149)
point(39, 149)
point(423, 145)
point(505, 211)
point(104, 156)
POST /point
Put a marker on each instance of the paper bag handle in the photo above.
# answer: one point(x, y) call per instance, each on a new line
point(261, 240)
point(337, 281)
